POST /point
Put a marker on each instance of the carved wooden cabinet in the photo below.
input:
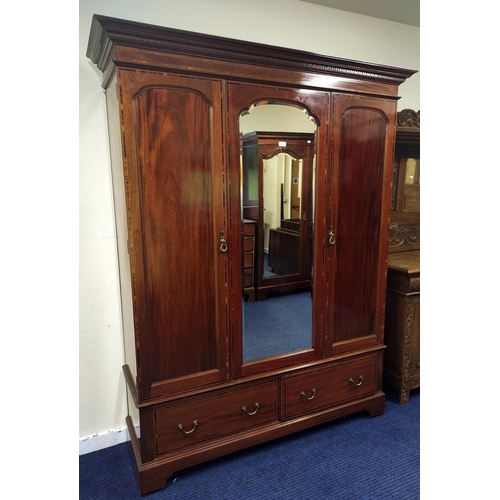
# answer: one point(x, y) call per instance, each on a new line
point(405, 204)
point(402, 324)
point(207, 372)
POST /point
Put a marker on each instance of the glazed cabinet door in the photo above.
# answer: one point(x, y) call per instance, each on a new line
point(363, 139)
point(175, 183)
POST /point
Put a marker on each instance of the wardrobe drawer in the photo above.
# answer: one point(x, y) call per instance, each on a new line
point(316, 389)
point(214, 416)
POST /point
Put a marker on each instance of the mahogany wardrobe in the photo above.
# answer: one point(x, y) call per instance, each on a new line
point(210, 368)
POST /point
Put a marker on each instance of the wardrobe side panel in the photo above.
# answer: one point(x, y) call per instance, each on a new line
point(120, 208)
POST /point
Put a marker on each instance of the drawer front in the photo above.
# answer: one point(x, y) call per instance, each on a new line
point(215, 416)
point(317, 389)
point(405, 284)
point(248, 244)
point(248, 229)
point(248, 260)
point(248, 277)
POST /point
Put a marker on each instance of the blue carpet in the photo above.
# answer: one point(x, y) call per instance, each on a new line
point(277, 325)
point(353, 458)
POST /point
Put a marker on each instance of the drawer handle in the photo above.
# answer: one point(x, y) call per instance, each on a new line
point(181, 428)
point(303, 394)
point(244, 410)
point(361, 378)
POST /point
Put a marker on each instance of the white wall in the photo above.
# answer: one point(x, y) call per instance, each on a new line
point(295, 24)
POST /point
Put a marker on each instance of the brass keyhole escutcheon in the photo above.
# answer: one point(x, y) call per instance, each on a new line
point(331, 236)
point(223, 242)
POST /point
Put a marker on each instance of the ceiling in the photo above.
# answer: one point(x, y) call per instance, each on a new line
point(399, 11)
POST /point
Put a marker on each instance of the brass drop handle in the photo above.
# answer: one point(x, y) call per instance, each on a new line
point(244, 410)
point(223, 242)
point(331, 237)
point(361, 378)
point(303, 395)
point(181, 428)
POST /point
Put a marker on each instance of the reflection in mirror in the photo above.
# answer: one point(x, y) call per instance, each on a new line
point(411, 194)
point(277, 172)
point(282, 176)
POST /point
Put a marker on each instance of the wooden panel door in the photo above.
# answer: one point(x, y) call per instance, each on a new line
point(176, 207)
point(363, 139)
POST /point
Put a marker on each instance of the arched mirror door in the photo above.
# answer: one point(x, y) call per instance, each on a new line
point(278, 148)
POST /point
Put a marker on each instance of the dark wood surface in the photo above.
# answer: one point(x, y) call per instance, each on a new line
point(360, 193)
point(175, 217)
point(112, 40)
point(402, 324)
point(174, 101)
point(237, 410)
point(284, 251)
point(405, 262)
point(316, 389)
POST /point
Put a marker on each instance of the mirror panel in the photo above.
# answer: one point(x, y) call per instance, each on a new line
point(277, 172)
point(276, 326)
point(411, 192)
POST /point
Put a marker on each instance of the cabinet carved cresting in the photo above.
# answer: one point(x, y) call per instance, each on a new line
point(243, 325)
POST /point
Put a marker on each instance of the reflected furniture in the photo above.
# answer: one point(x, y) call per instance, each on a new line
point(174, 101)
point(284, 250)
point(249, 259)
point(402, 317)
point(283, 247)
